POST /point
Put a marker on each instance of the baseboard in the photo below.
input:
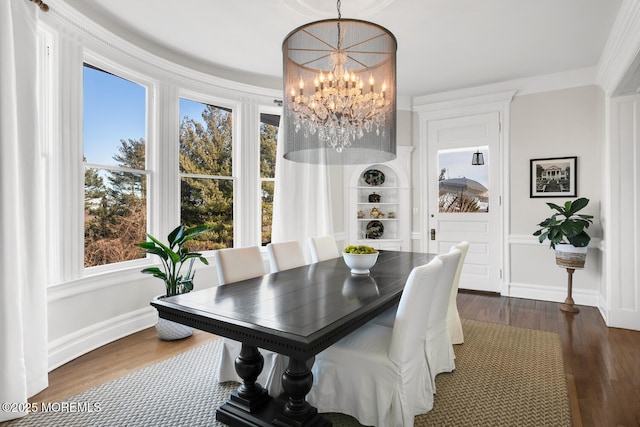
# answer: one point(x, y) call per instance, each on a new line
point(478, 292)
point(67, 348)
point(552, 293)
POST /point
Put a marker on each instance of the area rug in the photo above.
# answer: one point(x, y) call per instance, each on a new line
point(505, 376)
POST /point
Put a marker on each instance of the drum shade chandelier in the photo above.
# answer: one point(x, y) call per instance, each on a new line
point(340, 92)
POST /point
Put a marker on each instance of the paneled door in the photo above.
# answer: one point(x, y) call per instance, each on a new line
point(464, 194)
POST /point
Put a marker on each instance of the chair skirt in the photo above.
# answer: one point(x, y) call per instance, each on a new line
point(376, 391)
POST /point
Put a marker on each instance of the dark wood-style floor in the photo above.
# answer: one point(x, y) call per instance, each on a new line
point(602, 364)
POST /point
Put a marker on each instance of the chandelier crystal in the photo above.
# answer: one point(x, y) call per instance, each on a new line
point(340, 103)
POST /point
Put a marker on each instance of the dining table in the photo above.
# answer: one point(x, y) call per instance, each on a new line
point(296, 313)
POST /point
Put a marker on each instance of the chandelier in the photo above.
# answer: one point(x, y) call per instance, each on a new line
point(340, 92)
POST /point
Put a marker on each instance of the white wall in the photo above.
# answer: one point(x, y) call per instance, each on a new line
point(86, 314)
point(619, 74)
point(559, 123)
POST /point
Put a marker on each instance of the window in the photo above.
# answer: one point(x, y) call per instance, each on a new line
point(206, 174)
point(463, 187)
point(268, 140)
point(115, 175)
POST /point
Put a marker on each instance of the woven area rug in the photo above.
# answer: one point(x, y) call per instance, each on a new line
point(505, 376)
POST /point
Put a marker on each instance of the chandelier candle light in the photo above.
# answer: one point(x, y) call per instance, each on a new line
point(340, 92)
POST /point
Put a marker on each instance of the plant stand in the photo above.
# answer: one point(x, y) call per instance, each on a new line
point(568, 302)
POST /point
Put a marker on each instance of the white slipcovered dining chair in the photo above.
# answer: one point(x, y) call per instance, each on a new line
point(453, 317)
point(234, 265)
point(438, 347)
point(285, 255)
point(375, 373)
point(438, 351)
point(323, 248)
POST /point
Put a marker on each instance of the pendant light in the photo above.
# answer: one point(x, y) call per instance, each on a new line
point(477, 159)
point(339, 79)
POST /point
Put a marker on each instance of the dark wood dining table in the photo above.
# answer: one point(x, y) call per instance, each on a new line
point(296, 313)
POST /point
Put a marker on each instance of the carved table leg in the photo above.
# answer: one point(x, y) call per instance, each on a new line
point(297, 381)
point(250, 395)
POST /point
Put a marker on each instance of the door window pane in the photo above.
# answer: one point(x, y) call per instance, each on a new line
point(463, 186)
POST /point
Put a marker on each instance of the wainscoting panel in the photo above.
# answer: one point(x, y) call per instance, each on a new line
point(84, 340)
point(534, 274)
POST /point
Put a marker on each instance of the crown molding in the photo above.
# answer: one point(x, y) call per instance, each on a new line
point(622, 47)
point(458, 101)
point(94, 36)
point(519, 87)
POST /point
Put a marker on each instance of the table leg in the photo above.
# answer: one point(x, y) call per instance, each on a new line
point(296, 382)
point(250, 395)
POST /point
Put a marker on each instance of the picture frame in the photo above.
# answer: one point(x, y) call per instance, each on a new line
point(553, 177)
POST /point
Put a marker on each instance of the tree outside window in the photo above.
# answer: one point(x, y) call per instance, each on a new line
point(206, 180)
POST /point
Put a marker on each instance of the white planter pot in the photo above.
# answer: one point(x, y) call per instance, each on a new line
point(170, 331)
point(569, 256)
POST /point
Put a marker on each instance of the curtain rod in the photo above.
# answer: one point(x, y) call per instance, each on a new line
point(42, 5)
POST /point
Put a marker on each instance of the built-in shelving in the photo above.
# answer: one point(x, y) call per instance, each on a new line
point(368, 221)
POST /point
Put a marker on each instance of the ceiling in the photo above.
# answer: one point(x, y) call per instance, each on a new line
point(442, 44)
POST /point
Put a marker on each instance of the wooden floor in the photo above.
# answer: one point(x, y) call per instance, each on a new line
point(602, 364)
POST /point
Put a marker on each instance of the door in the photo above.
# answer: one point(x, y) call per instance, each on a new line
point(464, 198)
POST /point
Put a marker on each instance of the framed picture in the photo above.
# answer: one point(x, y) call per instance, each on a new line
point(553, 177)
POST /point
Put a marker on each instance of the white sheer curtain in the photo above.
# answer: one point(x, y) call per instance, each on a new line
point(23, 303)
point(301, 200)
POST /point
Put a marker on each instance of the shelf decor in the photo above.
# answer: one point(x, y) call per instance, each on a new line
point(375, 230)
point(373, 177)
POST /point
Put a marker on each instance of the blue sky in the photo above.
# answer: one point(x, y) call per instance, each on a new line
point(115, 109)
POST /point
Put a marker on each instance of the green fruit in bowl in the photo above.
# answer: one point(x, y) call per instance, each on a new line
point(359, 249)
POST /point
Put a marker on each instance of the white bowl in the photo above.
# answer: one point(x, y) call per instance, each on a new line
point(360, 263)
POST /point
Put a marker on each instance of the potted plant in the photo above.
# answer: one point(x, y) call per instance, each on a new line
point(173, 257)
point(566, 233)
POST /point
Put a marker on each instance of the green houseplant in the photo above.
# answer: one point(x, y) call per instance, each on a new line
point(174, 256)
point(566, 232)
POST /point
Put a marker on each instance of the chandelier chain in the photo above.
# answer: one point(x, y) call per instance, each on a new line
point(339, 18)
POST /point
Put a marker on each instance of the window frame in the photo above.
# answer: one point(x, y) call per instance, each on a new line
point(148, 86)
point(218, 103)
point(274, 111)
point(67, 46)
